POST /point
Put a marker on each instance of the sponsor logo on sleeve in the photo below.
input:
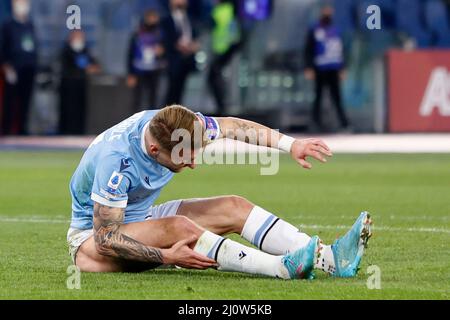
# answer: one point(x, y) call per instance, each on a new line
point(124, 164)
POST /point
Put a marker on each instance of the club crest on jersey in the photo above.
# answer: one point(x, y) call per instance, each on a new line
point(115, 180)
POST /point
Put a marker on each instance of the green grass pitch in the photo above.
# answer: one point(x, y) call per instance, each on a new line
point(408, 196)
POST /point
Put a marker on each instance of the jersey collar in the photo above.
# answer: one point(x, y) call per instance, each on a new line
point(144, 149)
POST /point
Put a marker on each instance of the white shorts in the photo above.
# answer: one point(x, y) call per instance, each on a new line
point(76, 237)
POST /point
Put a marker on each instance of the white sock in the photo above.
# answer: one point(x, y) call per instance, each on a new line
point(276, 236)
point(326, 260)
point(233, 256)
point(271, 234)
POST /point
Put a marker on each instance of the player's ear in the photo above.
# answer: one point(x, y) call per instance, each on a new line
point(154, 150)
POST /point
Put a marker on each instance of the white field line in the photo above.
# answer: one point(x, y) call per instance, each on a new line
point(33, 220)
point(305, 226)
point(379, 228)
point(384, 218)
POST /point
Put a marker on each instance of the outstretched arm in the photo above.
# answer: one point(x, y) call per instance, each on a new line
point(255, 133)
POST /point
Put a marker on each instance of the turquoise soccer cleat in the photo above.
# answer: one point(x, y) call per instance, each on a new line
point(300, 263)
point(348, 250)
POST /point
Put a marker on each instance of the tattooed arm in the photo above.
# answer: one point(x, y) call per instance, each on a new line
point(257, 134)
point(110, 241)
point(248, 131)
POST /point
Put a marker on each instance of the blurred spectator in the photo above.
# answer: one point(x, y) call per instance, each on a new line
point(77, 64)
point(324, 58)
point(181, 47)
point(18, 59)
point(225, 43)
point(145, 61)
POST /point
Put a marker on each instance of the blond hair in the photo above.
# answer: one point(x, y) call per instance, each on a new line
point(171, 118)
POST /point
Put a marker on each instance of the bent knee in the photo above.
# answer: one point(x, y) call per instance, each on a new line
point(237, 211)
point(240, 204)
point(185, 226)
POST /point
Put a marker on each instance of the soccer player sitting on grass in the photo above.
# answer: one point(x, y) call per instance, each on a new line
point(115, 226)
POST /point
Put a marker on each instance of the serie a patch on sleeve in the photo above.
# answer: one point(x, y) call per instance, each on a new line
point(114, 181)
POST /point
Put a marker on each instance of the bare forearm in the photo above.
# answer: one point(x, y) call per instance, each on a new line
point(249, 132)
point(255, 133)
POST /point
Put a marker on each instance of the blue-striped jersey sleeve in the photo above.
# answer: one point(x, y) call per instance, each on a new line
point(112, 182)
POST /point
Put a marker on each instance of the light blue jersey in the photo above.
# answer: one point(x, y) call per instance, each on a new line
point(117, 171)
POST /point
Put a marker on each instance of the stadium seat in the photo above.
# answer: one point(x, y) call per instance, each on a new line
point(5, 10)
point(409, 18)
point(437, 21)
point(345, 15)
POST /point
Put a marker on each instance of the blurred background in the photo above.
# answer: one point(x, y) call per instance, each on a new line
point(296, 65)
